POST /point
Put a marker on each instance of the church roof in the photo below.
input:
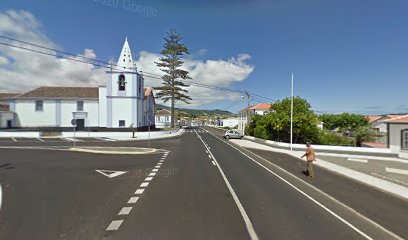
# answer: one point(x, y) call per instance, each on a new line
point(125, 61)
point(62, 93)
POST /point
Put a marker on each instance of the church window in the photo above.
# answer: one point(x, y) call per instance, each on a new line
point(122, 83)
point(80, 105)
point(39, 106)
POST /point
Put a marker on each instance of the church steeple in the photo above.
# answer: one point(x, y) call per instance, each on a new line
point(125, 61)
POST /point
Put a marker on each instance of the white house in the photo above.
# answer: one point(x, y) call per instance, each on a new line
point(259, 109)
point(398, 135)
point(230, 122)
point(163, 118)
point(379, 123)
point(122, 102)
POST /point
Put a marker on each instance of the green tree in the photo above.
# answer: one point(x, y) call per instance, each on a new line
point(364, 133)
point(173, 89)
point(344, 122)
point(304, 121)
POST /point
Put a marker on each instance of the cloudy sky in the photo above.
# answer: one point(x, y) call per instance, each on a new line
point(346, 55)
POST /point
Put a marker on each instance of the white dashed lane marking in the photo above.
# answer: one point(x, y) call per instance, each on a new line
point(396, 170)
point(115, 224)
point(125, 211)
point(357, 160)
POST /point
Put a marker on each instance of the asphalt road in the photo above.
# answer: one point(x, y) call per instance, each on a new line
point(202, 188)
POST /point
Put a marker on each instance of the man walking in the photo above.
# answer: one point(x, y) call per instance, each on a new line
point(310, 157)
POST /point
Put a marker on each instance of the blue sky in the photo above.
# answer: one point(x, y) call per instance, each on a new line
point(346, 55)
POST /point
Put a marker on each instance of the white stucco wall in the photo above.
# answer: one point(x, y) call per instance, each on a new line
point(230, 122)
point(5, 117)
point(25, 110)
point(121, 110)
point(70, 106)
point(102, 106)
point(395, 131)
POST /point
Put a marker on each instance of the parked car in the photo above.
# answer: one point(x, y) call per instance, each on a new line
point(233, 134)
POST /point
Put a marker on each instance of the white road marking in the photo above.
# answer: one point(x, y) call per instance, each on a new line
point(14, 139)
point(1, 197)
point(152, 174)
point(39, 139)
point(155, 170)
point(107, 139)
point(159, 163)
point(206, 151)
point(133, 200)
point(148, 179)
point(396, 170)
point(392, 179)
point(312, 199)
point(357, 160)
point(209, 156)
point(110, 173)
point(244, 215)
point(214, 163)
point(157, 166)
point(139, 191)
point(144, 184)
point(114, 225)
point(125, 211)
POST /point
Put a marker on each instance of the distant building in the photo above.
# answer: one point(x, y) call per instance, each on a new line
point(379, 123)
point(230, 122)
point(7, 118)
point(398, 135)
point(163, 118)
point(122, 103)
point(259, 109)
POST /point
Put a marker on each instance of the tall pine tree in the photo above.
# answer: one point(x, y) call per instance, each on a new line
point(173, 88)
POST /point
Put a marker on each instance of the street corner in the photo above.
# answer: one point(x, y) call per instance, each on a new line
point(117, 150)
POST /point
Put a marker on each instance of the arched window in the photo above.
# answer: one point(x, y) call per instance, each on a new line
point(405, 139)
point(122, 83)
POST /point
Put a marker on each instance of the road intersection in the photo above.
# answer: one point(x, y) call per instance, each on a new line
point(195, 186)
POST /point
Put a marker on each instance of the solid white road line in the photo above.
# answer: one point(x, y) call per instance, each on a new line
point(125, 211)
point(148, 179)
point(1, 195)
point(139, 191)
point(114, 225)
point(39, 139)
point(312, 199)
point(248, 223)
point(396, 170)
point(133, 200)
point(357, 160)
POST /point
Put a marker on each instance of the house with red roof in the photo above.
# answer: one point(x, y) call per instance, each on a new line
point(259, 109)
point(398, 135)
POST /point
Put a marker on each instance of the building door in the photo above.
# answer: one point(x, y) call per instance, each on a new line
point(80, 124)
point(9, 123)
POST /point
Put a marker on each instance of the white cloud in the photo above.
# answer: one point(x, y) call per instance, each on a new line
point(202, 52)
point(220, 73)
point(25, 70)
point(21, 70)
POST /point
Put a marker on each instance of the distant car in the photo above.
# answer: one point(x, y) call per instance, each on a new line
point(233, 134)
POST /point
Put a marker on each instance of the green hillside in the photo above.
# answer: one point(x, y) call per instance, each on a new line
point(198, 112)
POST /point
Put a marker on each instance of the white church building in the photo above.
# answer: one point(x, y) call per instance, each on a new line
point(122, 103)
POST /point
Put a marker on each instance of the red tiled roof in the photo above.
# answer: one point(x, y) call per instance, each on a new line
point(373, 118)
point(7, 95)
point(261, 106)
point(61, 92)
point(399, 119)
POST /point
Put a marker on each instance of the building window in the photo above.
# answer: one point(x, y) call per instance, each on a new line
point(167, 119)
point(121, 123)
point(405, 139)
point(122, 83)
point(139, 82)
point(38, 106)
point(80, 105)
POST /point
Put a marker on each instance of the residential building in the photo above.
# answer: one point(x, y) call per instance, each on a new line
point(259, 109)
point(122, 103)
point(7, 118)
point(379, 123)
point(398, 135)
point(230, 122)
point(163, 118)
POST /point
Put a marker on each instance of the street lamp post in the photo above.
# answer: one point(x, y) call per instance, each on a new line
point(291, 115)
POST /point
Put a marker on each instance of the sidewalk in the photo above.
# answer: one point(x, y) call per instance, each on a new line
point(386, 173)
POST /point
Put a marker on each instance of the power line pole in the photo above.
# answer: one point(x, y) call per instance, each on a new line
point(291, 115)
point(248, 106)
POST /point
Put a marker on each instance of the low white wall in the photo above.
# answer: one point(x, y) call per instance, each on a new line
point(125, 135)
point(324, 147)
point(20, 134)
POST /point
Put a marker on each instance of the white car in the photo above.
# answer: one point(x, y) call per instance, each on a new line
point(233, 134)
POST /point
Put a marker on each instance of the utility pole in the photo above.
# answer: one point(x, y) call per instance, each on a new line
point(291, 115)
point(248, 110)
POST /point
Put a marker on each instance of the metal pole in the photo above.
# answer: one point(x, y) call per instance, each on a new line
point(74, 134)
point(291, 115)
point(148, 141)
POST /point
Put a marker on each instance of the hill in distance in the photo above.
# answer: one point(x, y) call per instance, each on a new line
point(198, 112)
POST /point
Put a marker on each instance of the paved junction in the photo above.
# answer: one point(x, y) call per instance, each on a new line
point(196, 186)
